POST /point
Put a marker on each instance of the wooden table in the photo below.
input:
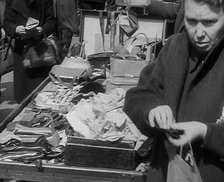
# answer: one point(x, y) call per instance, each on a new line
point(53, 173)
point(60, 173)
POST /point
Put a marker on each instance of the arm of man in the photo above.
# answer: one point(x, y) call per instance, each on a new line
point(9, 23)
point(50, 24)
point(165, 10)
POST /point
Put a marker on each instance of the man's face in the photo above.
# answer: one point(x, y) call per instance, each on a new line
point(204, 24)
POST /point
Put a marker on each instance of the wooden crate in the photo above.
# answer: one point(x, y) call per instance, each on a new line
point(103, 154)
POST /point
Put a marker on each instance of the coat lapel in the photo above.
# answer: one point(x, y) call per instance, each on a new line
point(177, 71)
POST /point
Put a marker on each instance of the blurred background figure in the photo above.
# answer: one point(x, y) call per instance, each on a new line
point(16, 15)
point(2, 32)
point(67, 15)
point(2, 10)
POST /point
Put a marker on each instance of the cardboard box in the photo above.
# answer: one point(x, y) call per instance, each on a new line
point(103, 154)
point(126, 65)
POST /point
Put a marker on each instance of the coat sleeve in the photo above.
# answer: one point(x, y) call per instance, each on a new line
point(148, 94)
point(2, 9)
point(50, 24)
point(9, 24)
point(214, 139)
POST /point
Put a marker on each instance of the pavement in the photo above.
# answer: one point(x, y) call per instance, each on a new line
point(7, 102)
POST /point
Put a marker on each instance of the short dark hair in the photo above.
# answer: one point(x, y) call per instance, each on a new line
point(213, 3)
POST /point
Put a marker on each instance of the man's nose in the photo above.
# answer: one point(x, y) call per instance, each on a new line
point(199, 31)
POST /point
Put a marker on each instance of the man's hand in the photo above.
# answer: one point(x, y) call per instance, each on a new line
point(161, 116)
point(192, 130)
point(20, 30)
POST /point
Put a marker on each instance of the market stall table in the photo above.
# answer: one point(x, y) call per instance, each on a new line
point(60, 172)
point(53, 173)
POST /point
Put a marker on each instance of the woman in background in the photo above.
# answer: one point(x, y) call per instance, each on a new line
point(16, 15)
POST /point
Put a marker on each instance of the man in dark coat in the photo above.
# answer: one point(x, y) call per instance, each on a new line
point(68, 17)
point(17, 13)
point(184, 89)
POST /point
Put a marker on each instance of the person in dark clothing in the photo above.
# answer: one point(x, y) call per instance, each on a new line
point(16, 15)
point(2, 10)
point(68, 18)
point(2, 32)
point(184, 89)
point(171, 10)
point(67, 15)
point(179, 21)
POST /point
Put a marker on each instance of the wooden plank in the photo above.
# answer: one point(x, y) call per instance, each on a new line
point(98, 156)
point(118, 144)
point(53, 173)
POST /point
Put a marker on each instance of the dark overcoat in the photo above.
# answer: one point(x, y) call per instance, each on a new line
point(162, 83)
point(17, 13)
point(2, 9)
